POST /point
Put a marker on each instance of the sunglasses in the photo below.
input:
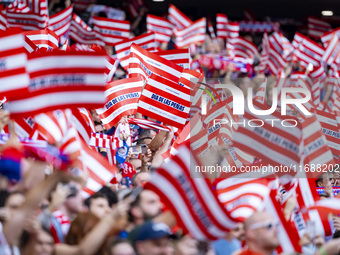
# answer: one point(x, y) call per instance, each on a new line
point(266, 225)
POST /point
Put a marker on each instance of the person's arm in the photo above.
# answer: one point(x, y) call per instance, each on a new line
point(110, 224)
point(158, 159)
point(13, 228)
point(332, 247)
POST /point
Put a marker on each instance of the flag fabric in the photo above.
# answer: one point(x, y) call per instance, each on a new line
point(240, 48)
point(243, 196)
point(326, 206)
point(193, 34)
point(179, 56)
point(146, 41)
point(99, 169)
point(148, 124)
point(81, 33)
point(265, 52)
point(111, 31)
point(60, 22)
point(111, 64)
point(332, 51)
point(3, 18)
point(330, 129)
point(54, 125)
point(261, 93)
point(276, 61)
point(326, 38)
point(144, 63)
point(13, 76)
point(316, 150)
point(83, 122)
point(81, 75)
point(179, 19)
point(258, 26)
point(233, 29)
point(43, 38)
point(28, 20)
point(165, 100)
point(121, 100)
point(100, 140)
point(191, 200)
point(160, 26)
point(274, 144)
point(23, 127)
point(221, 25)
point(317, 27)
point(287, 235)
point(29, 45)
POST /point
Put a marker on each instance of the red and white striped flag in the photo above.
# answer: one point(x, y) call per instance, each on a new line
point(121, 99)
point(99, 169)
point(330, 129)
point(111, 64)
point(179, 19)
point(191, 200)
point(83, 122)
point(65, 46)
point(111, 31)
point(60, 22)
point(13, 76)
point(81, 33)
point(146, 41)
point(3, 18)
point(179, 56)
point(144, 63)
point(233, 29)
point(274, 144)
point(165, 100)
point(316, 92)
point(261, 93)
point(326, 38)
point(23, 127)
point(148, 124)
point(265, 52)
point(81, 75)
point(221, 25)
point(100, 140)
point(193, 34)
point(29, 45)
point(43, 38)
point(276, 60)
point(326, 206)
point(160, 26)
point(54, 125)
point(332, 51)
point(240, 48)
point(317, 27)
point(316, 150)
point(28, 20)
point(286, 233)
point(243, 196)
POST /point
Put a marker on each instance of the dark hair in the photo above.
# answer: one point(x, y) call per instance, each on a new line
point(95, 196)
point(110, 194)
point(146, 133)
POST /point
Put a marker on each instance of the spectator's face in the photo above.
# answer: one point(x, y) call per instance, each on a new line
point(238, 232)
point(122, 249)
point(153, 247)
point(265, 236)
point(44, 244)
point(75, 204)
point(15, 201)
point(136, 163)
point(150, 204)
point(187, 246)
point(99, 207)
point(142, 178)
point(99, 129)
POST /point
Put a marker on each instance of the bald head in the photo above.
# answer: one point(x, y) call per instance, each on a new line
point(261, 233)
point(257, 217)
